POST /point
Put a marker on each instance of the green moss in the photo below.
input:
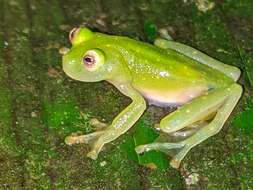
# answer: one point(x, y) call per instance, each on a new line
point(240, 8)
point(213, 38)
point(165, 180)
point(7, 138)
point(11, 171)
point(56, 114)
point(243, 121)
point(142, 133)
point(150, 30)
point(239, 20)
point(113, 164)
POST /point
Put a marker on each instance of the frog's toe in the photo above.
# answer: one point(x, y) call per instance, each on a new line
point(78, 139)
point(98, 125)
point(70, 140)
point(167, 148)
point(73, 139)
point(93, 155)
point(141, 149)
point(175, 163)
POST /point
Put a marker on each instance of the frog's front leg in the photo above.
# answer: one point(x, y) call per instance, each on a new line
point(220, 101)
point(88, 138)
point(122, 122)
point(79, 139)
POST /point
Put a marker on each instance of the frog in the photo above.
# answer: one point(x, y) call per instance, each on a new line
point(166, 73)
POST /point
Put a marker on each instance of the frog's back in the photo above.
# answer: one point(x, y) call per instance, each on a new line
point(165, 76)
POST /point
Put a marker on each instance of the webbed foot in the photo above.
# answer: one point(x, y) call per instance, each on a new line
point(165, 147)
point(78, 139)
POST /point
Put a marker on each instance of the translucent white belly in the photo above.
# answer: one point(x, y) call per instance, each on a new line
point(170, 97)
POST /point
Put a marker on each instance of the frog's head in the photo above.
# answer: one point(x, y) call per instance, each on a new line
point(88, 60)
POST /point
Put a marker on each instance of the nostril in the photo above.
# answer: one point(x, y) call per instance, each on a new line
point(63, 50)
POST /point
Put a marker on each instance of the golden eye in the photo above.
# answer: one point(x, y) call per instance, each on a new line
point(93, 59)
point(73, 33)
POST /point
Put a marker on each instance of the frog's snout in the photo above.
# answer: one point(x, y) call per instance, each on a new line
point(63, 50)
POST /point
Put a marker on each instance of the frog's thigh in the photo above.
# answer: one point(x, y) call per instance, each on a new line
point(119, 125)
point(196, 110)
point(231, 95)
point(190, 113)
point(230, 71)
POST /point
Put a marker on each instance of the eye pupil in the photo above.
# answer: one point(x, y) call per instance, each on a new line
point(89, 60)
point(92, 60)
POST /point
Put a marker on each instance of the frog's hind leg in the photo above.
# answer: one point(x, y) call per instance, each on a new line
point(223, 100)
point(230, 71)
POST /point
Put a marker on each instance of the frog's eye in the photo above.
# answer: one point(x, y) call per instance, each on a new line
point(80, 35)
point(73, 33)
point(93, 59)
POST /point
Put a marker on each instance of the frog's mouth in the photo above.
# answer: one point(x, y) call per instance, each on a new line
point(68, 66)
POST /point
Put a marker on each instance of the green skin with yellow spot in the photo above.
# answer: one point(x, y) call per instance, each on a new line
point(167, 73)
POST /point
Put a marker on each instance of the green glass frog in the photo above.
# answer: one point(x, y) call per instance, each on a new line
point(167, 73)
